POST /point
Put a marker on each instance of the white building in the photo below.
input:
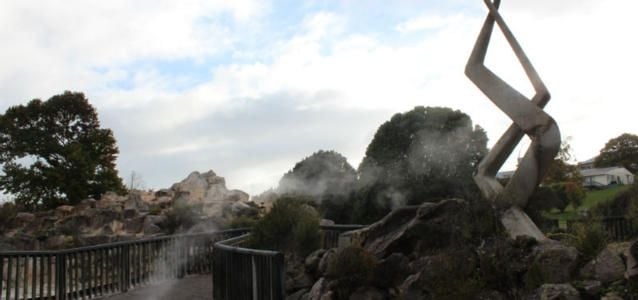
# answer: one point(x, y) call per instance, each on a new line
point(605, 176)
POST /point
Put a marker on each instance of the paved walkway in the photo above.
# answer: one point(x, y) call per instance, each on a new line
point(197, 287)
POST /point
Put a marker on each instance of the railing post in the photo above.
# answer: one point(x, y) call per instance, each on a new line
point(60, 276)
point(125, 274)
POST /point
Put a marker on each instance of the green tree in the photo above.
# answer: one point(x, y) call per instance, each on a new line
point(54, 152)
point(620, 151)
point(426, 154)
point(325, 178)
point(564, 178)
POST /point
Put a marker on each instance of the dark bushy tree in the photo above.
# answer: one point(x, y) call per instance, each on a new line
point(325, 178)
point(620, 151)
point(54, 152)
point(426, 154)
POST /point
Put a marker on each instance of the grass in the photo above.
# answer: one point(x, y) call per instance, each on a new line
point(592, 198)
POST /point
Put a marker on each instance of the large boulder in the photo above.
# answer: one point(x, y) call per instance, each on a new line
point(209, 191)
point(423, 228)
point(554, 262)
point(607, 267)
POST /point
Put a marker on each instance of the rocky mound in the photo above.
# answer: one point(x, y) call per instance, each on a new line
point(199, 202)
point(449, 250)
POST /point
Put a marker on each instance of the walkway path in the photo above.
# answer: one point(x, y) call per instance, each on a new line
point(197, 287)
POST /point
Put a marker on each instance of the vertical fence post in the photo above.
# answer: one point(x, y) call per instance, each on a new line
point(124, 268)
point(60, 276)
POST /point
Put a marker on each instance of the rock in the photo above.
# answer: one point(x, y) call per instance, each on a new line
point(129, 213)
point(318, 289)
point(367, 293)
point(311, 263)
point(109, 201)
point(557, 292)
point(154, 220)
point(322, 268)
point(164, 193)
point(611, 296)
point(391, 271)
point(441, 272)
point(84, 205)
point(554, 261)
point(150, 229)
point(24, 219)
point(631, 272)
point(423, 228)
point(606, 267)
point(134, 225)
point(55, 242)
point(591, 288)
point(104, 216)
point(63, 211)
point(298, 295)
point(134, 201)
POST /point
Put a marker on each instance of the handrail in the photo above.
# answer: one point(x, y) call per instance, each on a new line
point(98, 270)
point(247, 274)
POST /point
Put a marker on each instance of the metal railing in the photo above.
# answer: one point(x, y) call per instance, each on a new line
point(95, 271)
point(243, 273)
point(251, 274)
point(619, 228)
point(331, 233)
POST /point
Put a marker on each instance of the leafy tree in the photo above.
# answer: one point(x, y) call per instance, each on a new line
point(620, 151)
point(54, 152)
point(325, 178)
point(565, 178)
point(426, 154)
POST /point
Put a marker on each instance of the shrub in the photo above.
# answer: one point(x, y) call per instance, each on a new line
point(179, 218)
point(242, 222)
point(290, 226)
point(589, 238)
point(622, 204)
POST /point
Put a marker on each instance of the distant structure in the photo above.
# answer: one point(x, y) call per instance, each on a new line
point(528, 119)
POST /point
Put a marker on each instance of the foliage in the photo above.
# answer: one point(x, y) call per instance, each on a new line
point(565, 178)
point(290, 226)
point(179, 218)
point(589, 238)
point(8, 211)
point(353, 267)
point(327, 179)
point(426, 154)
point(54, 152)
point(620, 151)
point(623, 204)
point(243, 222)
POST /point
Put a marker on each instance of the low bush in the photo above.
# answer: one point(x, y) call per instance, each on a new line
point(589, 238)
point(290, 226)
point(180, 218)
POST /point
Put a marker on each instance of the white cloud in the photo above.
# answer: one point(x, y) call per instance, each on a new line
point(323, 87)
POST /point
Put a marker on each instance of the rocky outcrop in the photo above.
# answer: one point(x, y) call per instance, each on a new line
point(434, 251)
point(200, 200)
point(209, 190)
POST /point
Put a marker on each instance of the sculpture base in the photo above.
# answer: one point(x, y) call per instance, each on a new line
point(517, 223)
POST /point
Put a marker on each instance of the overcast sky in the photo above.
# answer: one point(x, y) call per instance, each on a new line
point(249, 87)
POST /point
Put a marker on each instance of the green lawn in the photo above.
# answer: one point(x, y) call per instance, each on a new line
point(592, 198)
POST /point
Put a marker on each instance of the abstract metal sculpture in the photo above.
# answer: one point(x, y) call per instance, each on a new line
point(528, 117)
